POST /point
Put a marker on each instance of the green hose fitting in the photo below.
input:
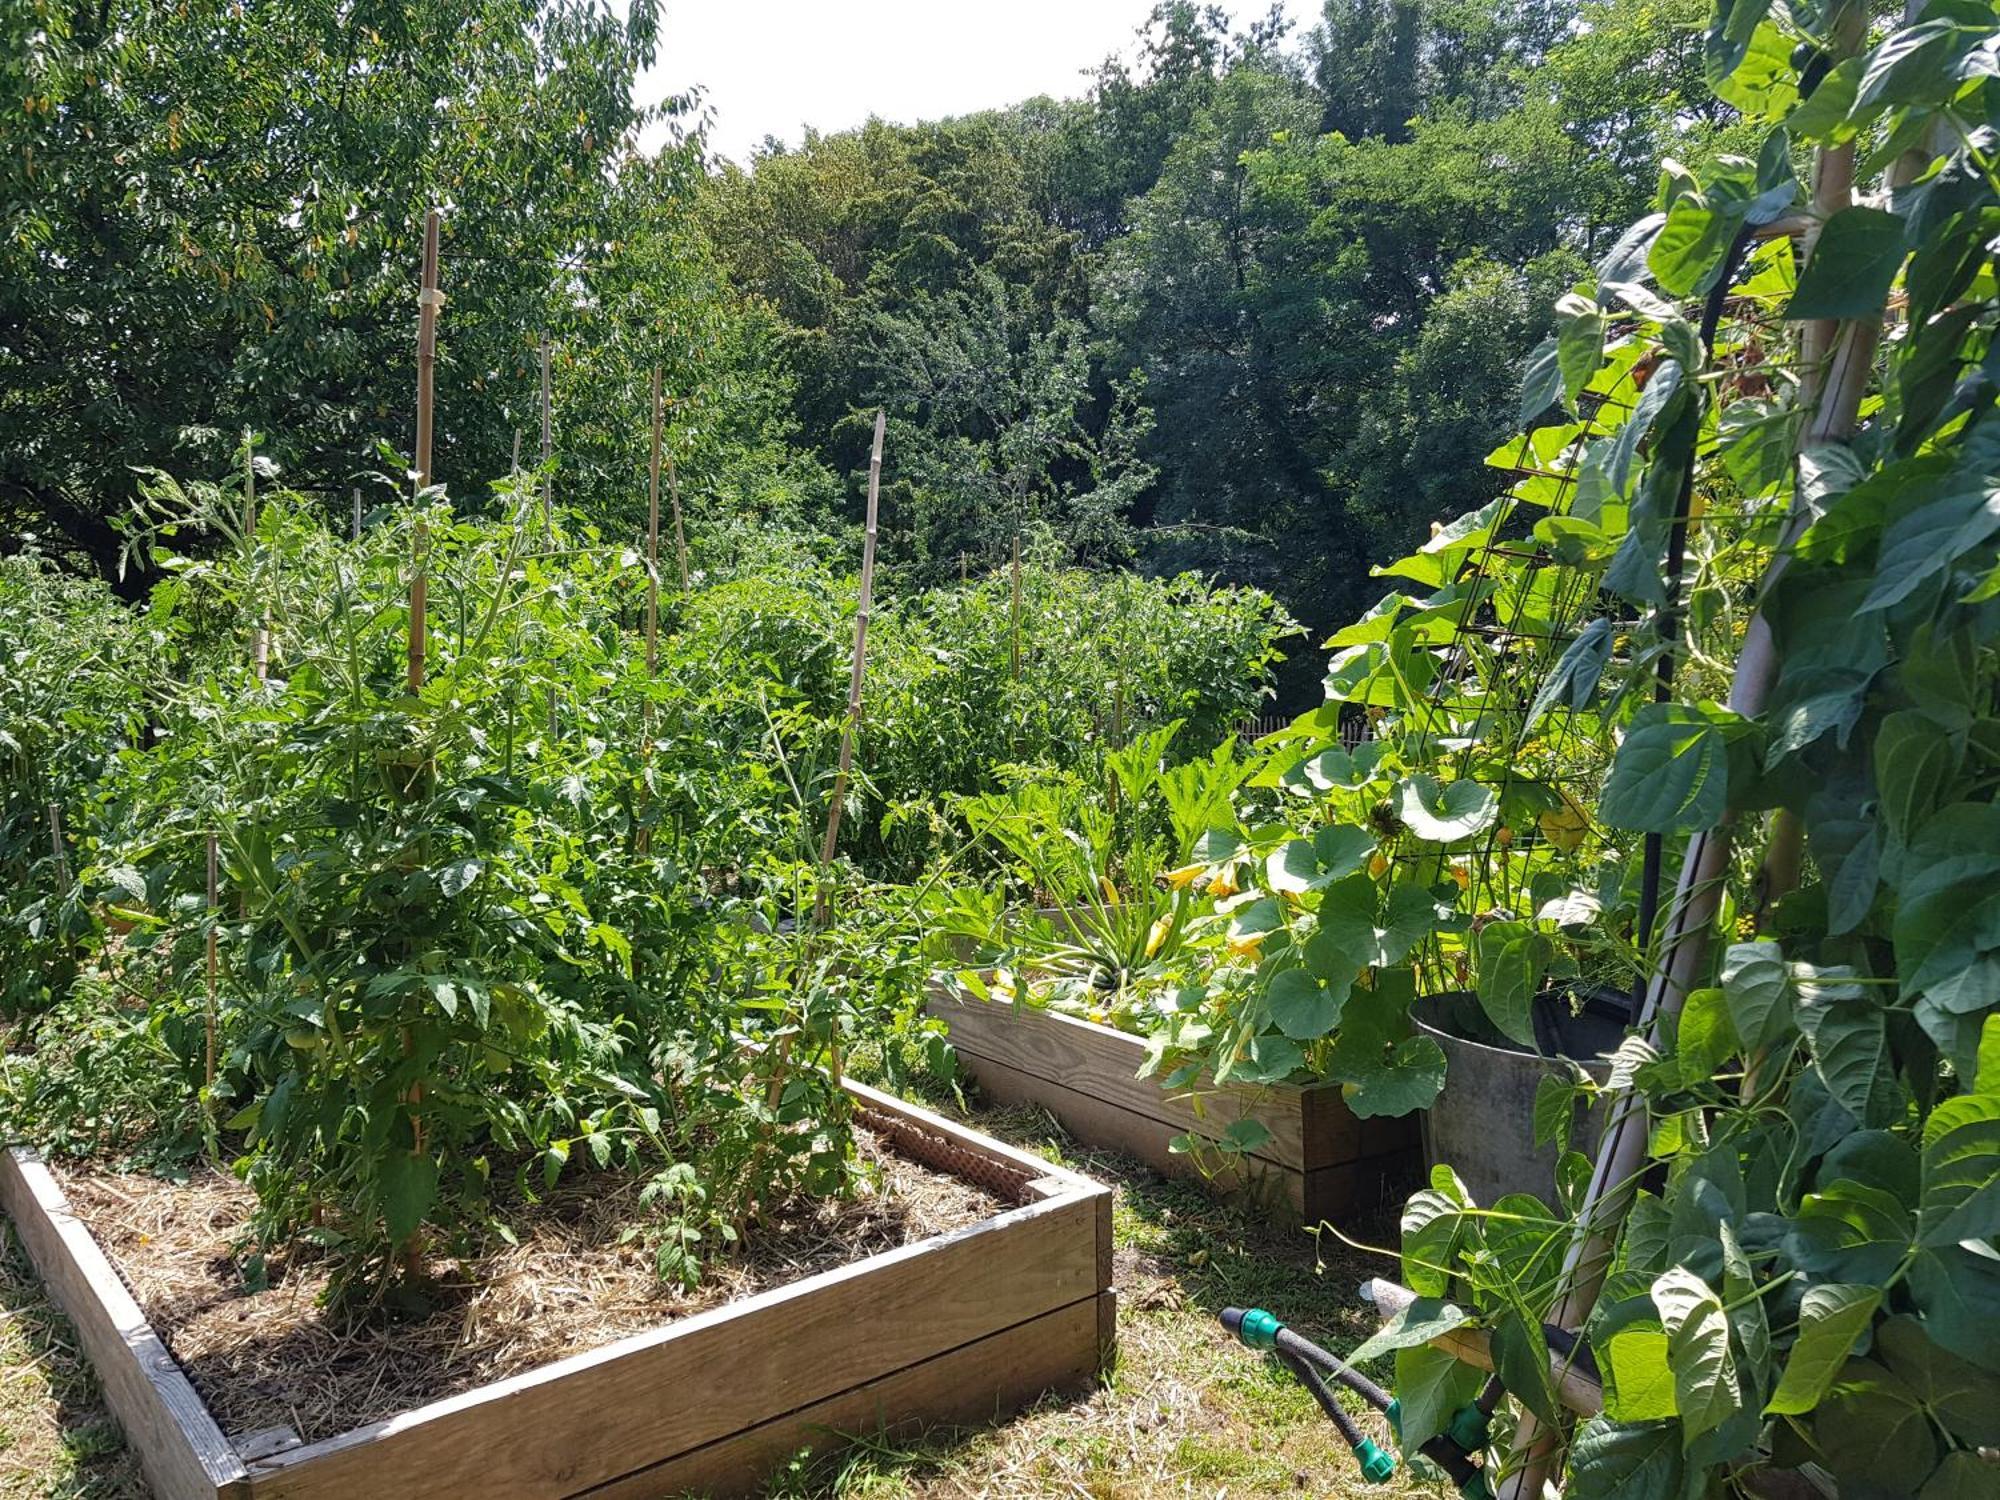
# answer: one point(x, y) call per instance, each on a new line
point(1376, 1466)
point(1475, 1487)
point(1394, 1412)
point(1260, 1329)
point(1469, 1427)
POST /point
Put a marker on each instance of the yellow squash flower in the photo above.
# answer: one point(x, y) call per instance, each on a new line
point(1247, 944)
point(1185, 876)
point(1565, 826)
point(1158, 935)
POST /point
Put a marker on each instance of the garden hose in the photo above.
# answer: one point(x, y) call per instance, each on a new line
point(1258, 1329)
point(1452, 1450)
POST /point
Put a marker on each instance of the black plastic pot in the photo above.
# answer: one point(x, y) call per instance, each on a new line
point(1483, 1123)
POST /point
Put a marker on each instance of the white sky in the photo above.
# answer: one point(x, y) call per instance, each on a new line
point(771, 67)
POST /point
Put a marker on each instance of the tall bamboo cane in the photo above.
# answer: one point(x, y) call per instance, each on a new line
point(428, 301)
point(642, 838)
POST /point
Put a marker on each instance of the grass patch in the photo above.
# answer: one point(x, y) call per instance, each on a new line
point(57, 1442)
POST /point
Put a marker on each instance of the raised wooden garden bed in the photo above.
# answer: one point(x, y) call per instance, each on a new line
point(961, 1327)
point(1320, 1162)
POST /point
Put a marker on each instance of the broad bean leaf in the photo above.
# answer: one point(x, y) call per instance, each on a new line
point(1832, 1316)
point(1513, 958)
point(1541, 380)
point(1849, 1231)
point(1626, 1460)
point(1873, 1429)
point(1964, 1398)
point(1846, 1033)
point(1425, 1319)
point(1706, 1386)
point(1671, 774)
point(1431, 1385)
point(1961, 1171)
point(1855, 260)
point(1756, 985)
point(1521, 1358)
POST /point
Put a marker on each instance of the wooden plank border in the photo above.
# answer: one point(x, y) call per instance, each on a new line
point(1320, 1160)
point(953, 1328)
point(182, 1453)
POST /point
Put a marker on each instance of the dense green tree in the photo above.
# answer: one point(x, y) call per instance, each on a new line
point(210, 220)
point(1249, 307)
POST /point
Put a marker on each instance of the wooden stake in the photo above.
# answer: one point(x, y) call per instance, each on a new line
point(642, 839)
point(260, 633)
point(548, 489)
point(56, 845)
point(410, 1253)
point(851, 728)
point(357, 513)
point(208, 1017)
point(427, 308)
point(1014, 629)
point(680, 537)
point(653, 536)
point(548, 450)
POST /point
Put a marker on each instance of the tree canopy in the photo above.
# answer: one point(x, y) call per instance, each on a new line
point(1246, 307)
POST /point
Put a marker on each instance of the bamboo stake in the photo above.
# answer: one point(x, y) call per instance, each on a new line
point(851, 728)
point(1014, 619)
point(260, 633)
point(680, 537)
point(653, 536)
point(643, 836)
point(411, 1253)
point(208, 1015)
point(1682, 955)
point(427, 308)
point(1573, 1386)
point(548, 450)
point(56, 845)
point(548, 489)
point(357, 513)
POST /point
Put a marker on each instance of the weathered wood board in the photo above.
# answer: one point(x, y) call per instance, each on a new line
point(1320, 1163)
point(960, 1327)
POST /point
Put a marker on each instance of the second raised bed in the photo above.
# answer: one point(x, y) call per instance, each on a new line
point(1320, 1163)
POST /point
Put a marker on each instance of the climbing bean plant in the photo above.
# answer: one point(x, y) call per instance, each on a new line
point(1804, 1275)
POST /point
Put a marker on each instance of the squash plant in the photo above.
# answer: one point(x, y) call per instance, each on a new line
point(1098, 918)
point(1802, 1276)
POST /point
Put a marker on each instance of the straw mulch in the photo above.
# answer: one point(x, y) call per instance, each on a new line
point(277, 1358)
